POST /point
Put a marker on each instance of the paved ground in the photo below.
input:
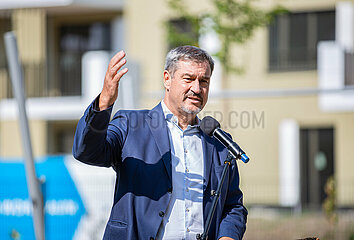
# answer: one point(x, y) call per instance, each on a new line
point(271, 224)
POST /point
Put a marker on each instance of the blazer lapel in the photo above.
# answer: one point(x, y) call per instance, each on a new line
point(208, 147)
point(158, 127)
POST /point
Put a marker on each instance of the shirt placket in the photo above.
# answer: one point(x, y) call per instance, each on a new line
point(186, 147)
point(186, 195)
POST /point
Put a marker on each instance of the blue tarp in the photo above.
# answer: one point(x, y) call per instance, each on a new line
point(63, 205)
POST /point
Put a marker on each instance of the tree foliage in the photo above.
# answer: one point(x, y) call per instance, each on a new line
point(234, 22)
point(329, 204)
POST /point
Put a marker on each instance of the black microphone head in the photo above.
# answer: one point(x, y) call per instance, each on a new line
point(208, 125)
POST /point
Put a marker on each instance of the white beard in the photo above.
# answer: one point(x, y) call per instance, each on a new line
point(189, 111)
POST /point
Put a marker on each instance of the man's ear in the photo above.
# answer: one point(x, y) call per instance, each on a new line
point(167, 80)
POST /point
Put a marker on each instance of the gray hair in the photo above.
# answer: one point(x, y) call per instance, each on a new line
point(186, 53)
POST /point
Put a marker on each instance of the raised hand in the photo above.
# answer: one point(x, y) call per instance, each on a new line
point(109, 92)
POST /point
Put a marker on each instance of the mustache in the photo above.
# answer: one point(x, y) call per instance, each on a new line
point(193, 94)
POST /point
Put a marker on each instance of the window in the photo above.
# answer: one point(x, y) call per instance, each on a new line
point(5, 26)
point(5, 87)
point(293, 39)
point(60, 136)
point(74, 41)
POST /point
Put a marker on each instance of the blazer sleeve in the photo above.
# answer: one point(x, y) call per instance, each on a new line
point(234, 218)
point(98, 141)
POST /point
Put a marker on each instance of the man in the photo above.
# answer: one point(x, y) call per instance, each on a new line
point(166, 167)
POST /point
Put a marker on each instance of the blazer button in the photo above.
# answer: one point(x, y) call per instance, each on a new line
point(151, 238)
point(161, 214)
point(169, 190)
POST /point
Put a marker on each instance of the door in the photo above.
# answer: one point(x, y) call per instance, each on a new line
point(316, 164)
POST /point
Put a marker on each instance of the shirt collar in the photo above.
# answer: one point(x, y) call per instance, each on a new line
point(172, 118)
point(168, 114)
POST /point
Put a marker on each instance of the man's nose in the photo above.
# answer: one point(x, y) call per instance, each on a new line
point(196, 86)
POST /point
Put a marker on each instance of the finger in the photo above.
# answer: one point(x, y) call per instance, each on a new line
point(116, 67)
point(116, 58)
point(120, 74)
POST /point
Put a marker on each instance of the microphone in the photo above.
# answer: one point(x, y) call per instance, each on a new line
point(211, 127)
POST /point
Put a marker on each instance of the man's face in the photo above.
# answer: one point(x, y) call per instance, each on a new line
point(187, 90)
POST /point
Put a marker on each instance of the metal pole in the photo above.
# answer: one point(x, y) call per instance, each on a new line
point(216, 196)
point(18, 90)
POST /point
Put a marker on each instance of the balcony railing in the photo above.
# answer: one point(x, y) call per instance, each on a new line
point(296, 59)
point(40, 83)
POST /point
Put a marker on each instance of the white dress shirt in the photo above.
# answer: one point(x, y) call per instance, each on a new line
point(184, 215)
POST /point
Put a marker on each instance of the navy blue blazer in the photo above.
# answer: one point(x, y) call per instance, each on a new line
point(136, 145)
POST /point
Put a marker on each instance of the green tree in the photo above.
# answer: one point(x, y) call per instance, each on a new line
point(234, 22)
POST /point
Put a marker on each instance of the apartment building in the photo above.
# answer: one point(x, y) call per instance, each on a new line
point(292, 110)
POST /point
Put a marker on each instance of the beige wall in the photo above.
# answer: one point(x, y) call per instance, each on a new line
point(146, 41)
point(253, 58)
point(344, 165)
point(260, 179)
point(301, 5)
point(4, 82)
point(30, 28)
point(146, 44)
point(11, 140)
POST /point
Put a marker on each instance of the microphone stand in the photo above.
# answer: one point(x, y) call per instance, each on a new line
point(216, 196)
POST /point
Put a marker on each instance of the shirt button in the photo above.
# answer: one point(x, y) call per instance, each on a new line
point(187, 210)
point(161, 214)
point(188, 230)
point(186, 151)
point(187, 189)
point(187, 170)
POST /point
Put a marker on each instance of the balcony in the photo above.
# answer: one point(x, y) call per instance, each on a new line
point(51, 106)
point(335, 64)
point(335, 78)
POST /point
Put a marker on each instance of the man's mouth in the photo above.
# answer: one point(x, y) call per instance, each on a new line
point(194, 99)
